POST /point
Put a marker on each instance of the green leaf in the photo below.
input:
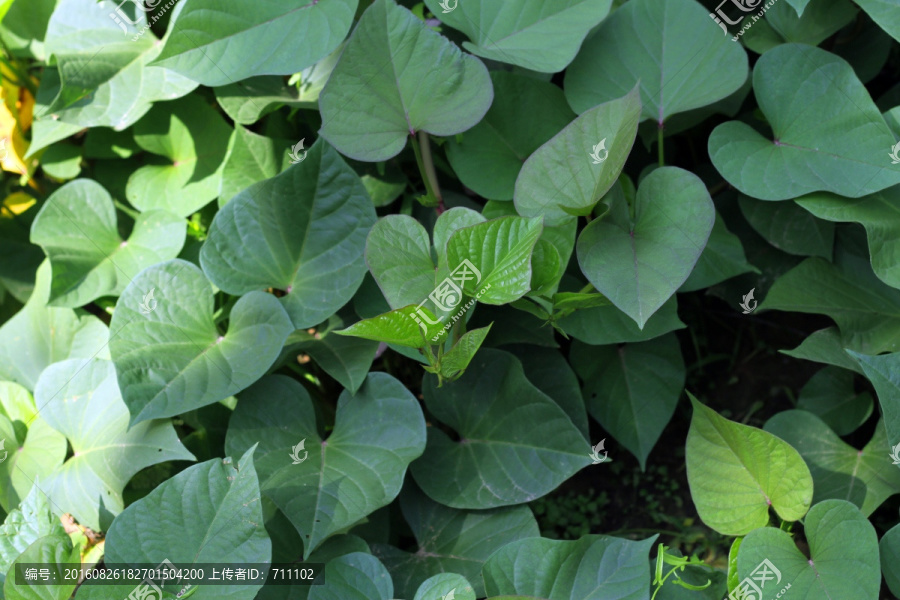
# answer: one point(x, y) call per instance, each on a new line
point(640, 263)
point(35, 449)
point(358, 469)
point(563, 177)
point(346, 359)
point(825, 346)
point(192, 139)
point(829, 395)
point(398, 253)
point(39, 335)
point(820, 20)
point(806, 95)
point(62, 161)
point(368, 110)
point(538, 35)
point(884, 13)
point(866, 310)
point(889, 549)
point(736, 472)
point(461, 354)
point(789, 228)
point(451, 541)
point(721, 259)
point(884, 373)
point(878, 213)
point(594, 567)
point(632, 390)
point(516, 444)
point(208, 513)
point(107, 453)
point(864, 477)
point(609, 325)
point(490, 155)
point(668, 46)
point(410, 326)
point(302, 231)
point(843, 549)
point(57, 553)
point(440, 587)
point(172, 359)
point(78, 229)
point(448, 223)
point(500, 250)
point(32, 519)
point(355, 576)
point(251, 158)
point(217, 44)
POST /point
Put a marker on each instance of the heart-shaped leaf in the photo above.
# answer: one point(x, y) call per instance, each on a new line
point(681, 62)
point(594, 567)
point(169, 356)
point(398, 253)
point(489, 156)
point(632, 390)
point(356, 470)
point(736, 472)
point(451, 541)
point(843, 556)
point(346, 359)
point(217, 44)
point(807, 95)
point(883, 12)
point(303, 231)
point(639, 263)
point(789, 228)
point(825, 346)
point(77, 228)
point(396, 77)
point(445, 585)
point(107, 453)
point(830, 395)
point(500, 249)
point(884, 373)
point(39, 335)
point(32, 520)
point(878, 213)
point(166, 524)
point(608, 325)
point(54, 550)
point(355, 576)
point(538, 35)
point(864, 477)
point(516, 444)
point(251, 158)
point(32, 448)
point(570, 173)
point(192, 139)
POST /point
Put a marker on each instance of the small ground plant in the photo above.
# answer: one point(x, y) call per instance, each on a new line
point(449, 300)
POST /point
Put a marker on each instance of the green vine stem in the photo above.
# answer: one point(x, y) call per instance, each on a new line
point(422, 150)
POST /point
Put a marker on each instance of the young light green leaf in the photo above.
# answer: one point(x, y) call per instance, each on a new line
point(302, 232)
point(77, 228)
point(450, 540)
point(358, 469)
point(369, 110)
point(669, 47)
point(539, 35)
point(594, 567)
point(39, 335)
point(229, 528)
point(864, 477)
point(489, 156)
point(398, 253)
point(736, 472)
point(461, 354)
point(570, 173)
point(165, 327)
point(640, 263)
point(843, 549)
point(192, 139)
point(32, 519)
point(217, 44)
point(410, 326)
point(54, 550)
point(513, 428)
point(107, 453)
point(500, 250)
point(807, 95)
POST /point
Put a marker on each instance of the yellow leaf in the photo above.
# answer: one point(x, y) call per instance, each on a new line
point(16, 204)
